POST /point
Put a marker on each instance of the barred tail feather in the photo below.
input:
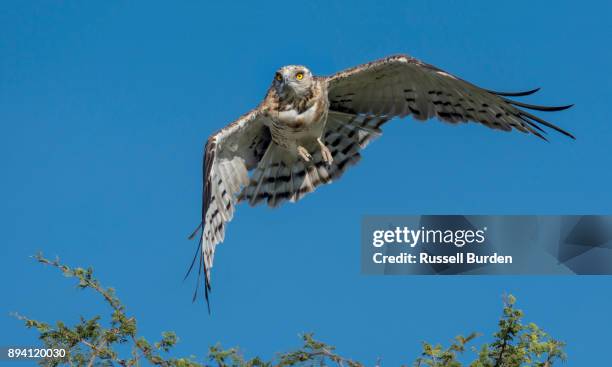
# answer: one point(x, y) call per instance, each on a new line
point(281, 176)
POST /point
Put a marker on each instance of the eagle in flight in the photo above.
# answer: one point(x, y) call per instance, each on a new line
point(309, 130)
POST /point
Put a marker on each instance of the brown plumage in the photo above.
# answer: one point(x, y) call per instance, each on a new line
point(308, 130)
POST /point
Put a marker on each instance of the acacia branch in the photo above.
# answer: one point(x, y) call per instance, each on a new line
point(89, 343)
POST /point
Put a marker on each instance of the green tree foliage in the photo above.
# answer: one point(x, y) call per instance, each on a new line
point(91, 343)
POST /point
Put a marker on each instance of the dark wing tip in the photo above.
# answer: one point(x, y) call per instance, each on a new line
point(195, 232)
point(207, 289)
point(525, 115)
point(194, 255)
point(539, 135)
point(537, 107)
point(201, 269)
point(514, 94)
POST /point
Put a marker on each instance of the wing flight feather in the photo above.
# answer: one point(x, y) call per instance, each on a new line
point(401, 85)
point(228, 156)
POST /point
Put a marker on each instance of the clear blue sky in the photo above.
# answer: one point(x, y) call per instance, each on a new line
point(105, 108)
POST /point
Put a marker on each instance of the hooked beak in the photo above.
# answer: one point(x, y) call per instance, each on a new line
point(283, 86)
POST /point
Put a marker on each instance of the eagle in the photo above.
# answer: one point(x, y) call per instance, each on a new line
point(309, 130)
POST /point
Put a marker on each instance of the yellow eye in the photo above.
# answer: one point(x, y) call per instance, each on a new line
point(278, 77)
point(299, 76)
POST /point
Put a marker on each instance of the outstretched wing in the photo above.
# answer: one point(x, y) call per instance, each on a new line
point(402, 85)
point(229, 154)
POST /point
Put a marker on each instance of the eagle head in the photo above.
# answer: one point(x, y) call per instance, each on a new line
point(292, 81)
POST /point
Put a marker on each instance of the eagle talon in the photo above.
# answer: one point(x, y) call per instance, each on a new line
point(328, 158)
point(303, 153)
